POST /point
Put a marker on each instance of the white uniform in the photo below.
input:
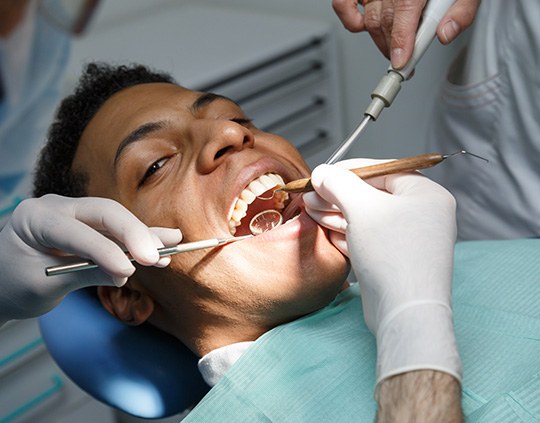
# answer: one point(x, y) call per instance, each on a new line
point(490, 105)
point(32, 64)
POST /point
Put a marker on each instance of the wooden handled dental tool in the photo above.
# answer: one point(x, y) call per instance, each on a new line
point(406, 164)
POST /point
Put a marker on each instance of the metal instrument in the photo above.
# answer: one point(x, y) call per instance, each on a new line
point(390, 84)
point(165, 251)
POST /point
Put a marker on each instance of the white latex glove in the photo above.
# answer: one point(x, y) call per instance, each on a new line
point(41, 228)
point(400, 242)
point(329, 215)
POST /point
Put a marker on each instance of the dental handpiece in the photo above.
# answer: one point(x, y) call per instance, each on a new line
point(163, 252)
point(390, 84)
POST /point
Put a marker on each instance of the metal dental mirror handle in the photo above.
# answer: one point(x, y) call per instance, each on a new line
point(390, 84)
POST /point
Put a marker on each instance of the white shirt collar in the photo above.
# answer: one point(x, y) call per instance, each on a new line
point(216, 363)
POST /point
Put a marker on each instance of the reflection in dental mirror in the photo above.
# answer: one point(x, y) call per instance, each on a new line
point(265, 221)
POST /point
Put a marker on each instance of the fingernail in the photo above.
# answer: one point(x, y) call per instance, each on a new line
point(152, 256)
point(450, 31)
point(119, 281)
point(163, 262)
point(397, 58)
point(180, 233)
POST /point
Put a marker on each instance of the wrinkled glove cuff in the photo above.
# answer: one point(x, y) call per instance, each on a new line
point(419, 337)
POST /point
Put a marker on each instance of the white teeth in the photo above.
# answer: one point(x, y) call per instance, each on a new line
point(250, 193)
point(248, 196)
point(241, 205)
point(238, 215)
point(257, 187)
point(267, 181)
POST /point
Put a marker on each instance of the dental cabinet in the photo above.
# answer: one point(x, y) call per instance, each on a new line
point(33, 388)
point(284, 73)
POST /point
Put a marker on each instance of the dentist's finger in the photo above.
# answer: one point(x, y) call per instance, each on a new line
point(333, 221)
point(349, 15)
point(373, 23)
point(165, 237)
point(400, 23)
point(314, 201)
point(458, 18)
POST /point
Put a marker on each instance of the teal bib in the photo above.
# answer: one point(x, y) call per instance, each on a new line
point(321, 368)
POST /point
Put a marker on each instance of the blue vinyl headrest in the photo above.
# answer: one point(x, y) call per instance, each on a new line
point(139, 370)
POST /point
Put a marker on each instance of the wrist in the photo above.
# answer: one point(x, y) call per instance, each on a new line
point(419, 336)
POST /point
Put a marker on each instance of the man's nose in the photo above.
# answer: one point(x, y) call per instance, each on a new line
point(222, 138)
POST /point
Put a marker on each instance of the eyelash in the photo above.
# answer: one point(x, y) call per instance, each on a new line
point(156, 165)
point(152, 169)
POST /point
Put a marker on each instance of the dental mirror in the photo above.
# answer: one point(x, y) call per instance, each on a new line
point(265, 221)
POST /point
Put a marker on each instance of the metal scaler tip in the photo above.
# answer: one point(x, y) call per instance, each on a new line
point(467, 153)
point(233, 239)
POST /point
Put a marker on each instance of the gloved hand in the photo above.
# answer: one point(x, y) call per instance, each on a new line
point(42, 229)
point(400, 237)
point(329, 215)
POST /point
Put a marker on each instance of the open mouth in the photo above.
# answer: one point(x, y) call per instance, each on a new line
point(255, 198)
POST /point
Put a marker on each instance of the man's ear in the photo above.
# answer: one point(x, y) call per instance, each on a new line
point(127, 304)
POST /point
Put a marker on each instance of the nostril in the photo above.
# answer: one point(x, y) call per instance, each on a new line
point(222, 152)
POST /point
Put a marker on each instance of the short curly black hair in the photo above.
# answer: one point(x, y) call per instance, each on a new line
point(99, 81)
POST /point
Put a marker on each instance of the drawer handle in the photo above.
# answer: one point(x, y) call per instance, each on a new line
point(57, 385)
point(312, 69)
point(313, 144)
point(25, 349)
point(313, 44)
point(315, 105)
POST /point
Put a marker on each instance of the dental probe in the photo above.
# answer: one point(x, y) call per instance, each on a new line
point(390, 84)
point(163, 252)
point(406, 164)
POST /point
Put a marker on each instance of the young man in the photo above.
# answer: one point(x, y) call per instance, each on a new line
point(184, 158)
point(179, 158)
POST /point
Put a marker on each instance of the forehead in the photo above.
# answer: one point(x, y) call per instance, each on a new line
point(138, 104)
point(132, 107)
point(146, 102)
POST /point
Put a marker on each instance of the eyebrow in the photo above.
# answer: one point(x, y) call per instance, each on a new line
point(148, 128)
point(138, 134)
point(207, 98)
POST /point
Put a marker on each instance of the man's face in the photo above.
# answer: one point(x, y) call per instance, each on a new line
point(179, 158)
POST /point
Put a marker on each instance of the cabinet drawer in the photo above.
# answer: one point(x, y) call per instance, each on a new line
point(32, 387)
point(270, 73)
point(20, 342)
point(38, 391)
point(303, 114)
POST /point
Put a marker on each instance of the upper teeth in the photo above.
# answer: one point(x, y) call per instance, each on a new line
point(249, 194)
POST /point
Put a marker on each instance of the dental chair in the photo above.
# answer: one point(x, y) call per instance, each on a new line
point(139, 370)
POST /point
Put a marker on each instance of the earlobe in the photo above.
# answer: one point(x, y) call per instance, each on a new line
point(129, 305)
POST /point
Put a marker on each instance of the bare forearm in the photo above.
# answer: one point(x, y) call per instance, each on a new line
point(420, 396)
